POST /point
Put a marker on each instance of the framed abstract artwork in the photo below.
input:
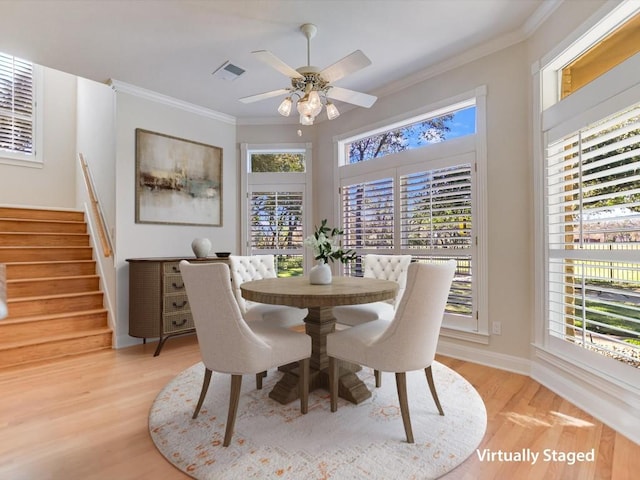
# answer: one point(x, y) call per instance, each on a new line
point(178, 181)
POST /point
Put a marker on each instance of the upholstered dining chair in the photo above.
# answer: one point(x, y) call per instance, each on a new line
point(384, 267)
point(256, 267)
point(229, 344)
point(406, 343)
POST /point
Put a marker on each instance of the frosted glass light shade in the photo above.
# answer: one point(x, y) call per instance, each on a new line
point(285, 107)
point(332, 111)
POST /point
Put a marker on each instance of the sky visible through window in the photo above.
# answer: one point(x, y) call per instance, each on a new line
point(418, 134)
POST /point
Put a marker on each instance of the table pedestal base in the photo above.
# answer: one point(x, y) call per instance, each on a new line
point(318, 324)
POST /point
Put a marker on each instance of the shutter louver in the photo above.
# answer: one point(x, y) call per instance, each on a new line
point(16, 105)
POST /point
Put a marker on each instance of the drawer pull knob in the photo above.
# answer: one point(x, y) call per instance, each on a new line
point(175, 304)
point(175, 269)
point(175, 285)
point(176, 324)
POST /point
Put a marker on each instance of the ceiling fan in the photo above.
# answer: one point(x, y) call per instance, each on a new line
point(312, 86)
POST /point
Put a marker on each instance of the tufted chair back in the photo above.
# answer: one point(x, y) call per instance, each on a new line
point(247, 268)
point(388, 267)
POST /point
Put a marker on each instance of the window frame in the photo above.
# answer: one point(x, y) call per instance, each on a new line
point(420, 159)
point(35, 160)
point(277, 181)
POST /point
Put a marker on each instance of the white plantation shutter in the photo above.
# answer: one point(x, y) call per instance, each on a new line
point(367, 215)
point(276, 222)
point(593, 236)
point(436, 218)
point(16, 105)
point(436, 209)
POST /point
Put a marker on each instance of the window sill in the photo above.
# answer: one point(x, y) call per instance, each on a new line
point(17, 162)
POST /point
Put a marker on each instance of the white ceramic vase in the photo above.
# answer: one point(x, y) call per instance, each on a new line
point(201, 247)
point(320, 274)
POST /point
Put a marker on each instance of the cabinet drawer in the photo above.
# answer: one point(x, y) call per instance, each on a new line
point(173, 284)
point(171, 267)
point(175, 303)
point(177, 322)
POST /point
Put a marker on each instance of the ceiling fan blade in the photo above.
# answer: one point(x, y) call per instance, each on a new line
point(274, 62)
point(263, 96)
point(345, 66)
point(350, 96)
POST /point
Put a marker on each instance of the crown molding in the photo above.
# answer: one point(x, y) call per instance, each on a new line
point(122, 87)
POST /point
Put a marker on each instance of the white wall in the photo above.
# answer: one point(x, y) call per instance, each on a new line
point(53, 184)
point(95, 140)
point(150, 240)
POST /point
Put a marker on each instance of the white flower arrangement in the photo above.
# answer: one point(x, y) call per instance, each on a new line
point(326, 246)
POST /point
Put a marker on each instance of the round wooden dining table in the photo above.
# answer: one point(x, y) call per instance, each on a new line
point(319, 300)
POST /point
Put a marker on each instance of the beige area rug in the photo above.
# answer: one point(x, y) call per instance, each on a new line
point(274, 441)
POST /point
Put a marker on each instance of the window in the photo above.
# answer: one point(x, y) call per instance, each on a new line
point(422, 200)
point(17, 109)
point(593, 204)
point(590, 286)
point(434, 127)
point(276, 213)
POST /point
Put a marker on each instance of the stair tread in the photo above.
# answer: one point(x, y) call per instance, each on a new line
point(47, 262)
point(51, 316)
point(40, 279)
point(56, 338)
point(46, 297)
point(40, 220)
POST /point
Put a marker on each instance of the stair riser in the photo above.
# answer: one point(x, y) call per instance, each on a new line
point(34, 254)
point(44, 351)
point(17, 271)
point(51, 306)
point(39, 330)
point(33, 288)
point(36, 214)
point(41, 227)
point(44, 240)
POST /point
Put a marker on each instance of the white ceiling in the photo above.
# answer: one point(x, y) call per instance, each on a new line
point(173, 46)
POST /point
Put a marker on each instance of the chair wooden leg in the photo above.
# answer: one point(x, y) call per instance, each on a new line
point(378, 377)
point(203, 392)
point(401, 385)
point(333, 383)
point(234, 399)
point(259, 377)
point(303, 385)
point(432, 387)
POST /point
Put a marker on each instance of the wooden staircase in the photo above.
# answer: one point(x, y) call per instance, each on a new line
point(53, 293)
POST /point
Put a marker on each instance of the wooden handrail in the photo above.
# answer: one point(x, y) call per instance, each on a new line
point(105, 239)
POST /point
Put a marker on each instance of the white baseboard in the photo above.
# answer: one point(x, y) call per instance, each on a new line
point(485, 357)
point(123, 341)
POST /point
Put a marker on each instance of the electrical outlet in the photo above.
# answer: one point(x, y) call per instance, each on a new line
point(496, 328)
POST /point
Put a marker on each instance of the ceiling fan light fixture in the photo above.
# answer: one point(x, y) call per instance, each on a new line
point(312, 86)
point(332, 111)
point(314, 103)
point(304, 107)
point(285, 107)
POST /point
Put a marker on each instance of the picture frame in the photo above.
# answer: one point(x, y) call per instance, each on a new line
point(178, 181)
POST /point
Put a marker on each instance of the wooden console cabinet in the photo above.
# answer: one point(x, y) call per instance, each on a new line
point(158, 305)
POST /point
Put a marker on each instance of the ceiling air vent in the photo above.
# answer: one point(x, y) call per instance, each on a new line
point(228, 71)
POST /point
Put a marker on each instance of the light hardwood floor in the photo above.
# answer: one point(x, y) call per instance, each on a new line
point(86, 418)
